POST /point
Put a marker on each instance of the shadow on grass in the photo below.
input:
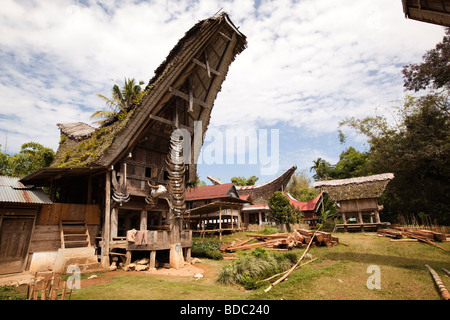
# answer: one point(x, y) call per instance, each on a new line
point(390, 260)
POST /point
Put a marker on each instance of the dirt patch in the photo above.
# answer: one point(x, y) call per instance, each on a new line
point(188, 270)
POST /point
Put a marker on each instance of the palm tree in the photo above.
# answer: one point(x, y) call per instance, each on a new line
point(322, 169)
point(122, 100)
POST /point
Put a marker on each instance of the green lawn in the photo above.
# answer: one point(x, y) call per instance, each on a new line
point(339, 273)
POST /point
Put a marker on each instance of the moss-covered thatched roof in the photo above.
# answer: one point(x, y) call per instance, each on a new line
point(355, 188)
point(83, 146)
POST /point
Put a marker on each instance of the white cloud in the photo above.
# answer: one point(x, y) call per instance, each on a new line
point(308, 63)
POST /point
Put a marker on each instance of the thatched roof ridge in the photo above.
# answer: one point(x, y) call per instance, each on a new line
point(368, 187)
point(76, 130)
point(367, 179)
point(188, 35)
point(108, 144)
point(171, 70)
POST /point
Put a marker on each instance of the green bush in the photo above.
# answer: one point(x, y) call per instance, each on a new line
point(10, 293)
point(206, 249)
point(269, 230)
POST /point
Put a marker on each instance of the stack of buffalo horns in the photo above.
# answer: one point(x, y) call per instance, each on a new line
point(176, 170)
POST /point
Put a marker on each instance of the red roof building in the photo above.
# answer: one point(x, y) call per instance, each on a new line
point(308, 208)
point(220, 191)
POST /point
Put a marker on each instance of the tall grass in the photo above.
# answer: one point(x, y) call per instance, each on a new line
point(254, 266)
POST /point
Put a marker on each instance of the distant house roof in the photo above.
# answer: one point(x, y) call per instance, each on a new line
point(255, 207)
point(261, 192)
point(222, 191)
point(305, 206)
point(355, 188)
point(13, 191)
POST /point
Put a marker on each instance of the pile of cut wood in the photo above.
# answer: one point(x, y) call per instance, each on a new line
point(419, 235)
point(283, 241)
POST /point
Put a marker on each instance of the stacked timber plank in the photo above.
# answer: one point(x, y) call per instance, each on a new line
point(298, 238)
point(420, 235)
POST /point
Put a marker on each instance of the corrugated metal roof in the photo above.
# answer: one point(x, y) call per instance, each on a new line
point(12, 190)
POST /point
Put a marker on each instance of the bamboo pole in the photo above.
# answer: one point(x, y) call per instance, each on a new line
point(279, 274)
point(443, 290)
point(446, 271)
point(295, 265)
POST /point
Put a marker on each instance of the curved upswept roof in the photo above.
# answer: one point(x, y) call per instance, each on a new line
point(261, 192)
point(193, 71)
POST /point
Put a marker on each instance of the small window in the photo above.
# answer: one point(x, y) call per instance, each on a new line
point(148, 172)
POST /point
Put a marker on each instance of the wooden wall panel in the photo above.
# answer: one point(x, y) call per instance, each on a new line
point(53, 213)
point(45, 238)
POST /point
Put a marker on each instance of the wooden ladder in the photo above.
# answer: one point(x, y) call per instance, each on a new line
point(74, 234)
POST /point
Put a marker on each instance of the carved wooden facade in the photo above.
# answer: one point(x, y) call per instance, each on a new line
point(121, 166)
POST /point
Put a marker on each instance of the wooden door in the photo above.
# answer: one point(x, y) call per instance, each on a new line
point(15, 234)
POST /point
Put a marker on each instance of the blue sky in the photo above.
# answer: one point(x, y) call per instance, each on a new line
point(308, 65)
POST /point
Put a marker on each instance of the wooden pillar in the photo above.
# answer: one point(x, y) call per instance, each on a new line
point(152, 259)
point(220, 222)
point(128, 257)
point(114, 222)
point(377, 217)
point(107, 229)
point(239, 221)
point(360, 217)
point(143, 224)
point(188, 255)
point(232, 217)
point(246, 218)
point(260, 218)
point(344, 219)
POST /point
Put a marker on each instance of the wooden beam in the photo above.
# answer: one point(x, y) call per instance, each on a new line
point(170, 123)
point(185, 96)
point(224, 35)
point(208, 69)
point(206, 66)
point(429, 16)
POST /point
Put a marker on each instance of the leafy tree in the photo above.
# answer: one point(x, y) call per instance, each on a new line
point(197, 183)
point(242, 181)
point(352, 163)
point(32, 156)
point(322, 168)
point(4, 163)
point(417, 151)
point(122, 101)
point(281, 211)
point(299, 187)
point(434, 72)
